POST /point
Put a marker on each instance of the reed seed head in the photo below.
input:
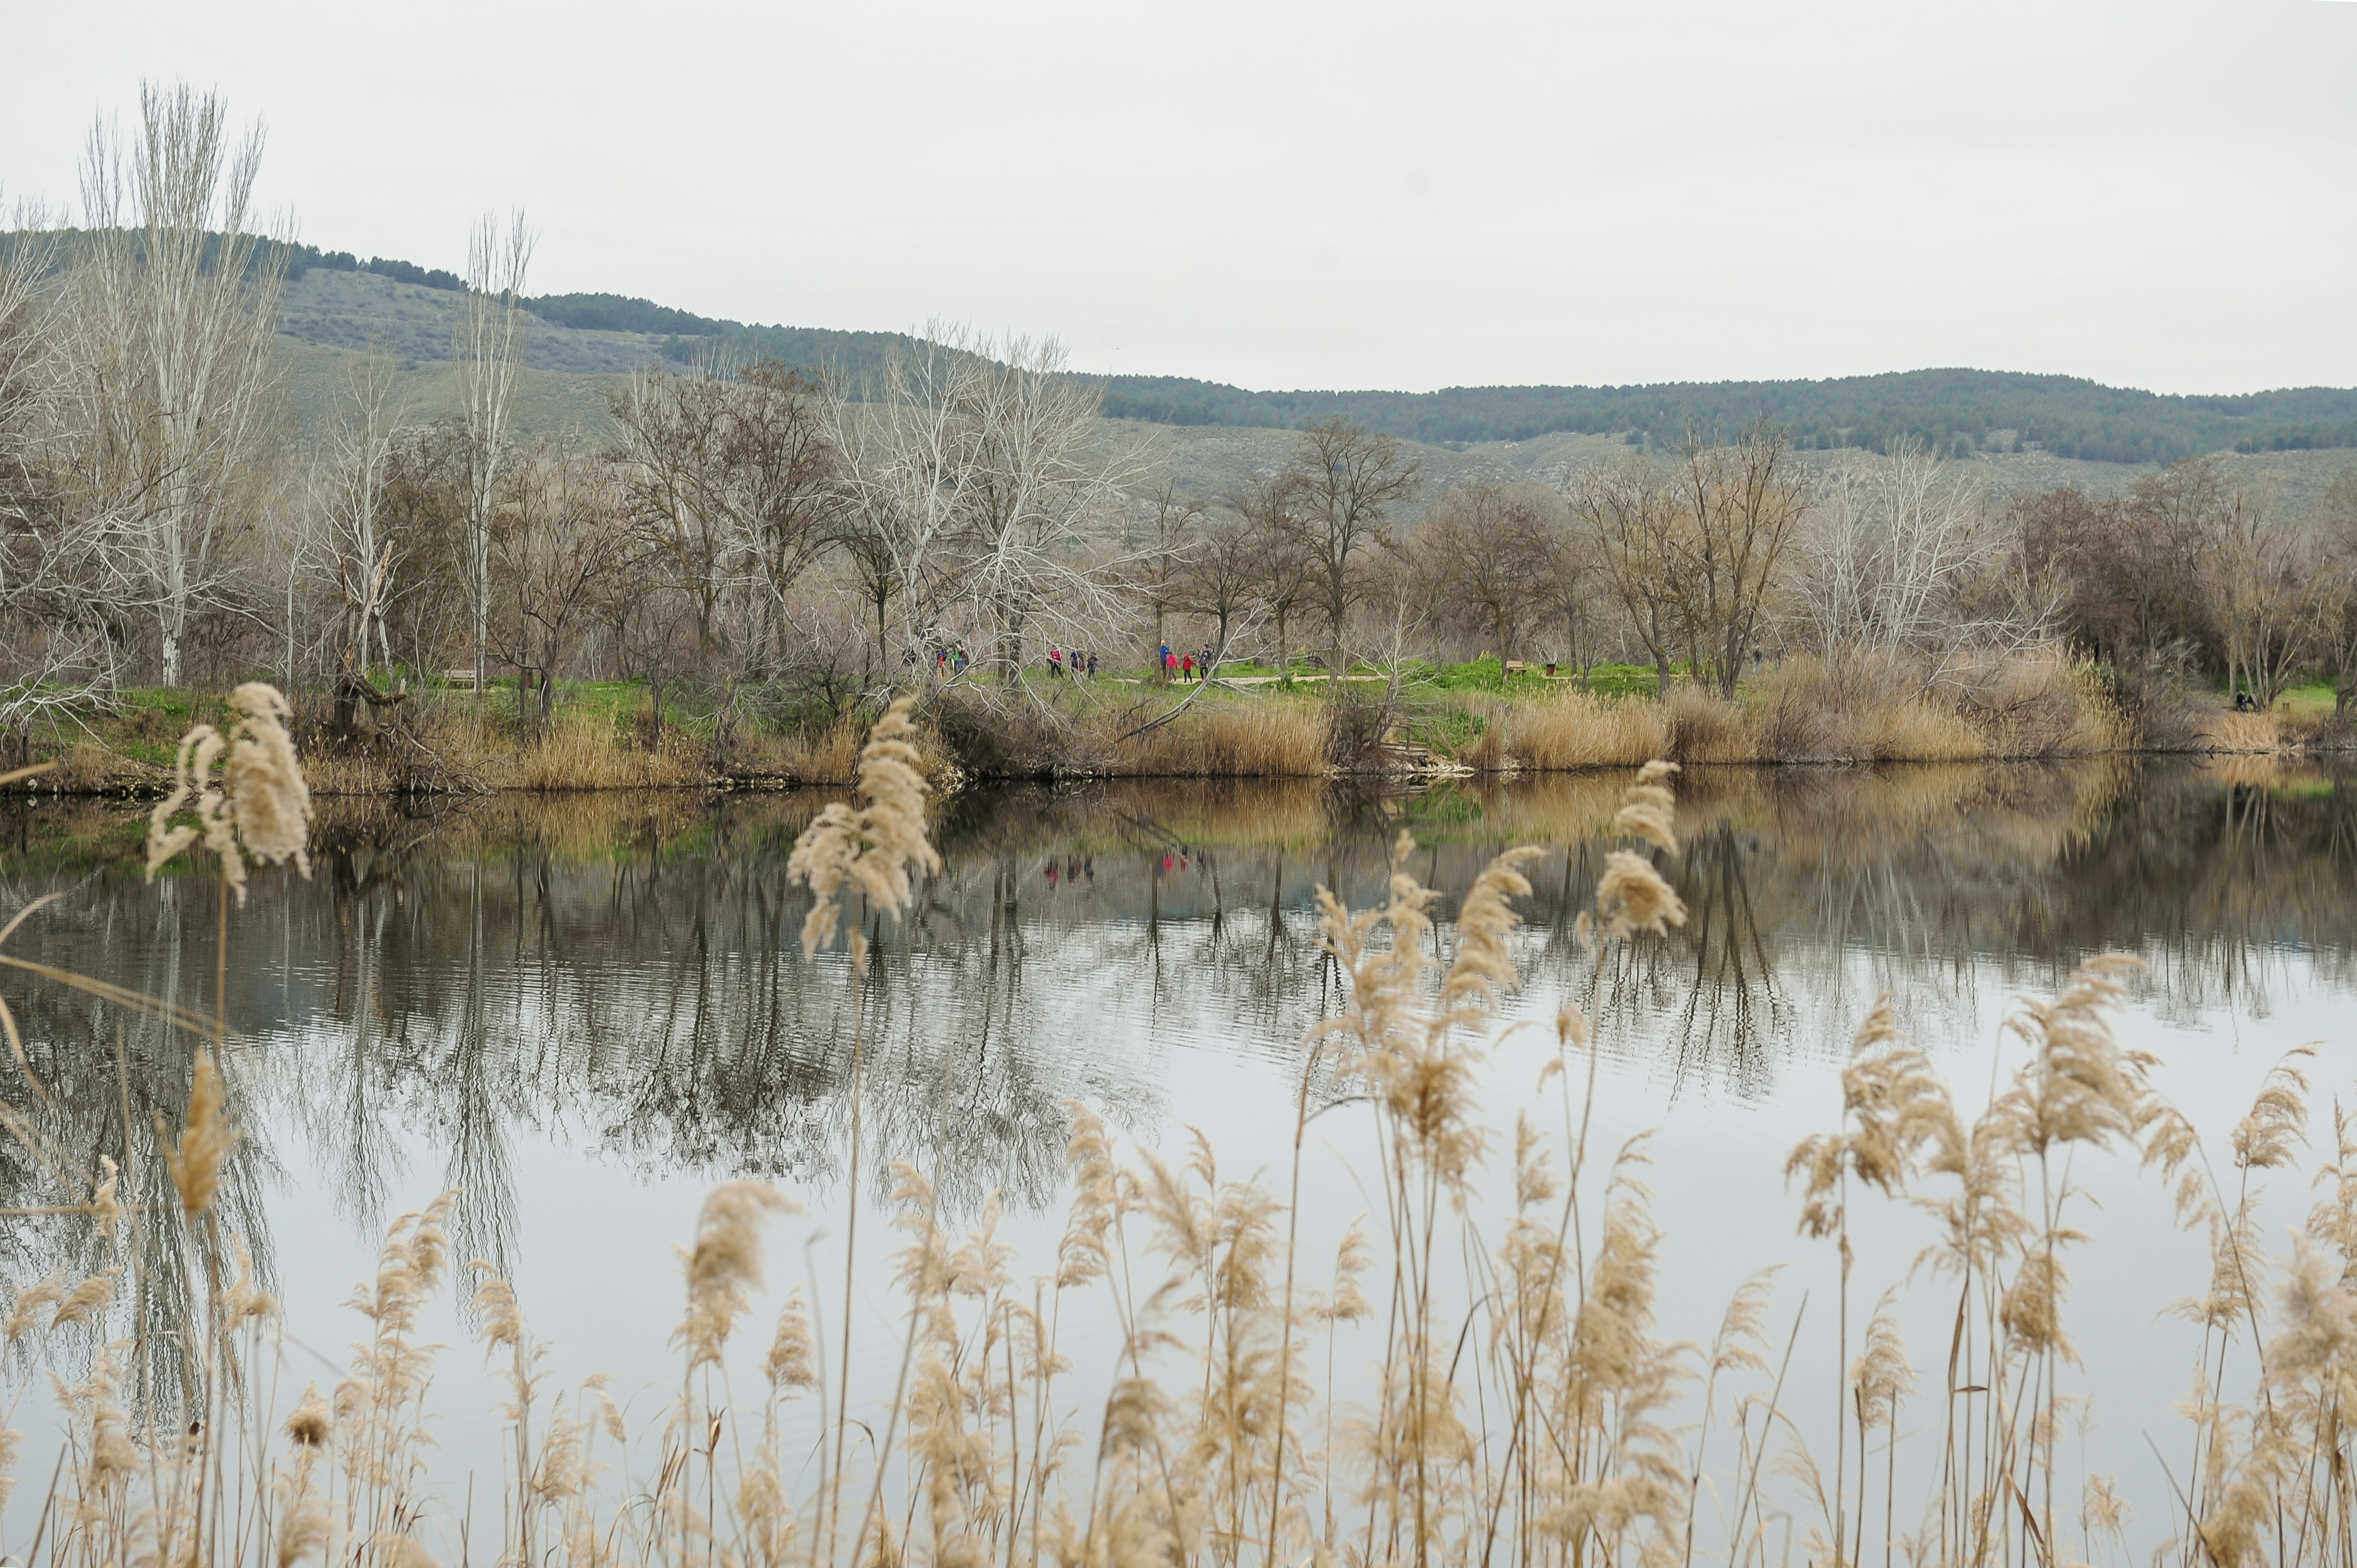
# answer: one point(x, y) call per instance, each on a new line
point(196, 1162)
point(267, 790)
point(259, 804)
point(1881, 1378)
point(792, 1361)
point(1632, 897)
point(869, 847)
point(1649, 810)
point(495, 1299)
point(2277, 1120)
point(725, 1264)
point(311, 1426)
point(1484, 968)
point(306, 1530)
point(105, 1206)
point(86, 1300)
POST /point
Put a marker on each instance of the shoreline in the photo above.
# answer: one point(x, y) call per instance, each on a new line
point(148, 789)
point(2032, 711)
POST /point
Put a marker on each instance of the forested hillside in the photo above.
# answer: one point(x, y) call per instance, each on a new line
point(1960, 410)
point(1952, 409)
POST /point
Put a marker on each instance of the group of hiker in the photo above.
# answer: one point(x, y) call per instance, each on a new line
point(1185, 666)
point(950, 661)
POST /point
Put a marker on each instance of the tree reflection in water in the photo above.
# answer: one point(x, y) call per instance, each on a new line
point(625, 974)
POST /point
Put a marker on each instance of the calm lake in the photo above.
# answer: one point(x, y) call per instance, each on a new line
point(584, 1011)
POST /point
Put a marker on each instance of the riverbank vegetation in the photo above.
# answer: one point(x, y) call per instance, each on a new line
point(1473, 1372)
point(729, 573)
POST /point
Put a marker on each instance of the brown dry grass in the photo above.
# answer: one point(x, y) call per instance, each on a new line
point(1707, 729)
point(2029, 709)
point(87, 768)
point(2238, 733)
point(1569, 730)
point(1256, 739)
point(576, 756)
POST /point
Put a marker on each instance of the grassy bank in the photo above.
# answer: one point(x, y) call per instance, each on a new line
point(1263, 724)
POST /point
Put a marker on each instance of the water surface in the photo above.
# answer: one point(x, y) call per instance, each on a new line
point(583, 1012)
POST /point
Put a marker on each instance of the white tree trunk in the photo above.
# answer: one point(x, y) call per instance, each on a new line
point(179, 305)
point(491, 331)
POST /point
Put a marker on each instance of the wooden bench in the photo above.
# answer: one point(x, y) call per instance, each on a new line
point(1516, 666)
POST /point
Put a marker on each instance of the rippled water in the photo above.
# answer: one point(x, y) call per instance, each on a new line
point(585, 1012)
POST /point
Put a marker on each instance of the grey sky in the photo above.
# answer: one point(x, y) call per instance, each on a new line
point(1361, 195)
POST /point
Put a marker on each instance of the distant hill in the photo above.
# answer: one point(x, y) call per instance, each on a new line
point(337, 299)
point(1958, 410)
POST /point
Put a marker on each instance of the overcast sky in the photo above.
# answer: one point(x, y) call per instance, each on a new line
point(1354, 195)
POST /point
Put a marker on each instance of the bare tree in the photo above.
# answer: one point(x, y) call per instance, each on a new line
point(1220, 579)
point(1486, 547)
point(673, 439)
point(1163, 558)
point(2268, 597)
point(1571, 595)
point(874, 565)
point(2335, 526)
point(491, 328)
point(1638, 531)
point(59, 638)
point(1281, 569)
point(1043, 479)
point(731, 480)
point(784, 490)
point(427, 607)
point(358, 542)
point(906, 442)
point(1743, 503)
point(179, 304)
point(1347, 480)
point(980, 468)
point(561, 535)
point(1895, 569)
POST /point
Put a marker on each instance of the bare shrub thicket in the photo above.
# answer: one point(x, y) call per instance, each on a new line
point(2186, 572)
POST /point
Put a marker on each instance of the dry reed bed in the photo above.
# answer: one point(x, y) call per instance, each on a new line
point(2028, 709)
point(1526, 1411)
point(1266, 738)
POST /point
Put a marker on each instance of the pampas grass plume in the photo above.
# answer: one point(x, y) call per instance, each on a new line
point(1632, 897)
point(195, 1161)
point(310, 1425)
point(1648, 808)
point(259, 806)
point(496, 1300)
point(792, 1360)
point(869, 847)
point(725, 1265)
point(267, 791)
